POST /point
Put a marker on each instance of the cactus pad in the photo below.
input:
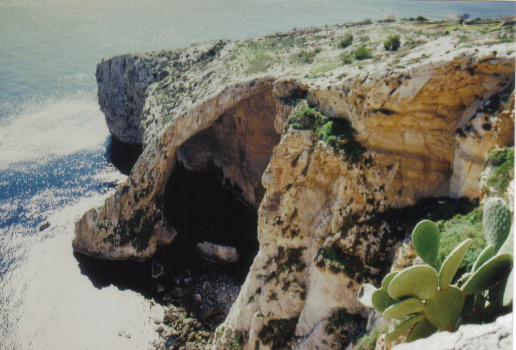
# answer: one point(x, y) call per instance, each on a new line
point(381, 300)
point(451, 264)
point(365, 294)
point(425, 239)
point(423, 329)
point(444, 310)
point(484, 255)
point(508, 293)
point(488, 275)
point(404, 308)
point(402, 328)
point(497, 221)
point(387, 280)
point(416, 281)
point(508, 245)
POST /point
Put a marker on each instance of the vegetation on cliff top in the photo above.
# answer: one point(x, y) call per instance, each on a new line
point(336, 132)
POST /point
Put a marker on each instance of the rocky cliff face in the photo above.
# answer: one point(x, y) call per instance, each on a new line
point(122, 83)
point(328, 159)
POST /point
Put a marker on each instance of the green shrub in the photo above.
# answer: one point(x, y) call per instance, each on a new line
point(421, 19)
point(336, 132)
point(305, 56)
point(259, 63)
point(392, 43)
point(456, 230)
point(365, 21)
point(339, 134)
point(502, 163)
point(362, 53)
point(347, 41)
point(506, 38)
point(346, 58)
point(304, 118)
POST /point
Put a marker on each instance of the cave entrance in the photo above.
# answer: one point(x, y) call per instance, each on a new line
point(202, 207)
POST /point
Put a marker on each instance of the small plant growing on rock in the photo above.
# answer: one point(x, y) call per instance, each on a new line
point(336, 132)
point(392, 43)
point(502, 163)
point(347, 41)
point(346, 58)
point(423, 297)
point(362, 53)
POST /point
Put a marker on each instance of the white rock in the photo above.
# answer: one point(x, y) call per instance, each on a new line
point(496, 335)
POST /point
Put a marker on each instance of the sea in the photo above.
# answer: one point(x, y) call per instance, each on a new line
point(56, 154)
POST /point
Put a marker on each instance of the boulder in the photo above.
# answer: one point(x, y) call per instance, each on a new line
point(217, 253)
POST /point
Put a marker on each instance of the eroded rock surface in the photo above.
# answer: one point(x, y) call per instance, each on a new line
point(420, 129)
point(496, 335)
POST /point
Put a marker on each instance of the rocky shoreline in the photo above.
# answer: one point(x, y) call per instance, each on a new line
point(193, 312)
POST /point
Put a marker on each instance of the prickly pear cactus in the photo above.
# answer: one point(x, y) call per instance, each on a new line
point(484, 255)
point(489, 274)
point(444, 310)
point(451, 264)
point(423, 329)
point(508, 245)
point(404, 308)
point(416, 281)
point(404, 327)
point(508, 292)
point(422, 296)
point(425, 239)
point(497, 221)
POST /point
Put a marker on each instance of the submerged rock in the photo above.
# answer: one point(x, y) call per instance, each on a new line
point(157, 269)
point(217, 253)
point(44, 226)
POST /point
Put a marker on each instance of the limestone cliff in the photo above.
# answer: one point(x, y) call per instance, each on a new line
point(324, 151)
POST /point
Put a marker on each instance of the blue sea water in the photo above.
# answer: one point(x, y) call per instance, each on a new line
point(53, 139)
